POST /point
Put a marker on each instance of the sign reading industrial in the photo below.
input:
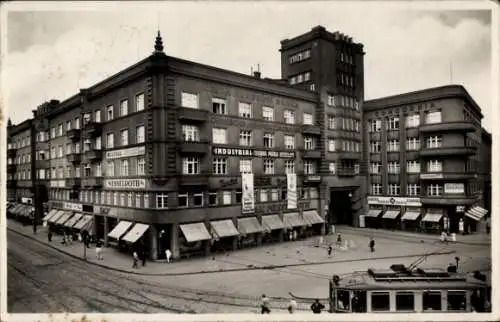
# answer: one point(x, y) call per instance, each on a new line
point(72, 206)
point(394, 201)
point(125, 183)
point(125, 153)
point(253, 153)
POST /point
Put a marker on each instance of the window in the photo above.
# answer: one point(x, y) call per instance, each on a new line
point(375, 167)
point(59, 130)
point(332, 145)
point(124, 107)
point(274, 194)
point(219, 166)
point(330, 100)
point(140, 134)
point(226, 197)
point(139, 102)
point(393, 167)
point(312, 87)
point(298, 57)
point(198, 199)
point(343, 298)
point(146, 200)
point(456, 301)
point(412, 120)
point(68, 151)
point(161, 200)
point(219, 136)
point(141, 166)
point(434, 166)
point(413, 189)
point(332, 167)
point(412, 144)
point(110, 140)
point(239, 193)
point(289, 142)
point(77, 123)
point(405, 301)
point(244, 110)
point(137, 200)
point(268, 113)
point(124, 137)
point(268, 166)
point(433, 117)
point(289, 117)
point(245, 138)
point(309, 167)
point(332, 124)
point(375, 146)
point(380, 301)
point(190, 133)
point(393, 145)
point(246, 166)
point(97, 116)
point(212, 198)
point(376, 189)
point(431, 301)
point(268, 140)
point(393, 123)
point(309, 143)
point(394, 190)
point(375, 125)
point(109, 113)
point(122, 199)
point(124, 168)
point(87, 118)
point(129, 199)
point(434, 190)
point(60, 151)
point(289, 166)
point(264, 194)
point(191, 165)
point(307, 119)
point(68, 128)
point(219, 106)
point(413, 167)
point(434, 142)
point(189, 100)
point(454, 188)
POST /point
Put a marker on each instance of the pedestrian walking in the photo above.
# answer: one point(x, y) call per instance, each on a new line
point(292, 306)
point(339, 240)
point(295, 235)
point(290, 235)
point(330, 249)
point(168, 255)
point(98, 250)
point(317, 307)
point(49, 236)
point(372, 245)
point(69, 237)
point(444, 237)
point(264, 306)
point(461, 226)
point(136, 259)
point(63, 240)
point(143, 257)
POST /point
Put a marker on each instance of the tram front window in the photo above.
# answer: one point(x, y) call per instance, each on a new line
point(343, 300)
point(405, 301)
point(431, 301)
point(380, 301)
point(456, 301)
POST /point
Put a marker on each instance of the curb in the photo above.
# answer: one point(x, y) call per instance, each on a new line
point(268, 267)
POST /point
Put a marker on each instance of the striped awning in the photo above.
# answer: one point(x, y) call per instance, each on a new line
point(76, 216)
point(410, 215)
point(65, 216)
point(374, 213)
point(50, 214)
point(17, 209)
point(120, 229)
point(293, 220)
point(391, 214)
point(432, 217)
point(84, 223)
point(249, 225)
point(56, 216)
point(476, 213)
point(195, 232)
point(272, 222)
point(223, 228)
point(312, 217)
point(135, 233)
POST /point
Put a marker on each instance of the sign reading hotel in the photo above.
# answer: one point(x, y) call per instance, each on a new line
point(125, 153)
point(125, 183)
point(394, 201)
point(243, 152)
point(72, 206)
point(247, 193)
point(291, 183)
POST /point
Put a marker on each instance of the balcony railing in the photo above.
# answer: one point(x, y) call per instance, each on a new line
point(311, 154)
point(74, 157)
point(73, 182)
point(193, 114)
point(193, 147)
point(93, 155)
point(74, 134)
point(93, 182)
point(346, 172)
point(42, 164)
point(447, 176)
point(344, 155)
point(93, 128)
point(448, 151)
point(448, 200)
point(310, 129)
point(193, 179)
point(459, 126)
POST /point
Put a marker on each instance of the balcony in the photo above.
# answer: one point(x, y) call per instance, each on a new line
point(346, 172)
point(73, 182)
point(193, 147)
point(11, 153)
point(193, 114)
point(193, 179)
point(460, 126)
point(448, 151)
point(95, 182)
point(93, 129)
point(11, 168)
point(42, 164)
point(74, 134)
point(93, 155)
point(447, 176)
point(310, 129)
point(311, 178)
point(11, 184)
point(349, 155)
point(42, 145)
point(448, 200)
point(311, 154)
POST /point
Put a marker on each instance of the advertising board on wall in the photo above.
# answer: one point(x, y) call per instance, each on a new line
point(248, 193)
point(394, 201)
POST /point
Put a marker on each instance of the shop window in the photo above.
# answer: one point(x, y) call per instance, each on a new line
point(380, 301)
point(212, 198)
point(263, 195)
point(238, 195)
point(198, 199)
point(343, 300)
point(405, 301)
point(456, 301)
point(182, 200)
point(226, 197)
point(274, 195)
point(431, 301)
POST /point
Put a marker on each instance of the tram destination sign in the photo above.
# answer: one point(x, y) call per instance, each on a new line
point(241, 152)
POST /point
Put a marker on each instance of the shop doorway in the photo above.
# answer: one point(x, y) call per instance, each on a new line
point(340, 208)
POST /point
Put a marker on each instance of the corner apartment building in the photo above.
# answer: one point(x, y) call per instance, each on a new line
point(19, 163)
point(427, 160)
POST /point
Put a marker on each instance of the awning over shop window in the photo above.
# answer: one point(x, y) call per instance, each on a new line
point(476, 213)
point(65, 216)
point(432, 217)
point(293, 220)
point(29, 212)
point(56, 216)
point(312, 217)
point(410, 215)
point(224, 228)
point(249, 225)
point(391, 214)
point(50, 214)
point(76, 216)
point(135, 233)
point(120, 229)
point(272, 222)
point(22, 211)
point(195, 232)
point(374, 213)
point(15, 209)
point(84, 223)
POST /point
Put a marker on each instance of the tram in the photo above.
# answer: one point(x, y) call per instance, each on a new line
point(402, 289)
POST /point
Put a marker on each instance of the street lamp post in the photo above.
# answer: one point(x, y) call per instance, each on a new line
point(456, 261)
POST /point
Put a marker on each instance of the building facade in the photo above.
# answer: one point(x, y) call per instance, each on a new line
point(19, 162)
point(425, 160)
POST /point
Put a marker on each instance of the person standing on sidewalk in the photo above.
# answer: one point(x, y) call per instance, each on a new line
point(330, 249)
point(264, 306)
point(339, 240)
point(372, 244)
point(461, 227)
point(168, 255)
point(136, 259)
point(143, 257)
point(317, 307)
point(98, 250)
point(49, 235)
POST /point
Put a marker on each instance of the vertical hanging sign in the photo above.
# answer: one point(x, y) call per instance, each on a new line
point(248, 194)
point(291, 183)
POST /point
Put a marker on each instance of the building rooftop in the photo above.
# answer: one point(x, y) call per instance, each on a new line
point(319, 32)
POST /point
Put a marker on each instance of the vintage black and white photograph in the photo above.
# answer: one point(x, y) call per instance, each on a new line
point(263, 158)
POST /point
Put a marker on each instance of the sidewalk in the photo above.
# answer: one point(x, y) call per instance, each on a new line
point(285, 254)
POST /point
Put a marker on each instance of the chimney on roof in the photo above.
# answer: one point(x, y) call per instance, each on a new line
point(257, 74)
point(158, 44)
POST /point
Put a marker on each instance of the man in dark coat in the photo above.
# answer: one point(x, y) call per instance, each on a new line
point(317, 307)
point(372, 245)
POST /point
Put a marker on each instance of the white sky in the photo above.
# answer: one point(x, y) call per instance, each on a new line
point(52, 54)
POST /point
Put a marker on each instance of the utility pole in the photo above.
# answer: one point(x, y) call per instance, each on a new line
point(34, 178)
